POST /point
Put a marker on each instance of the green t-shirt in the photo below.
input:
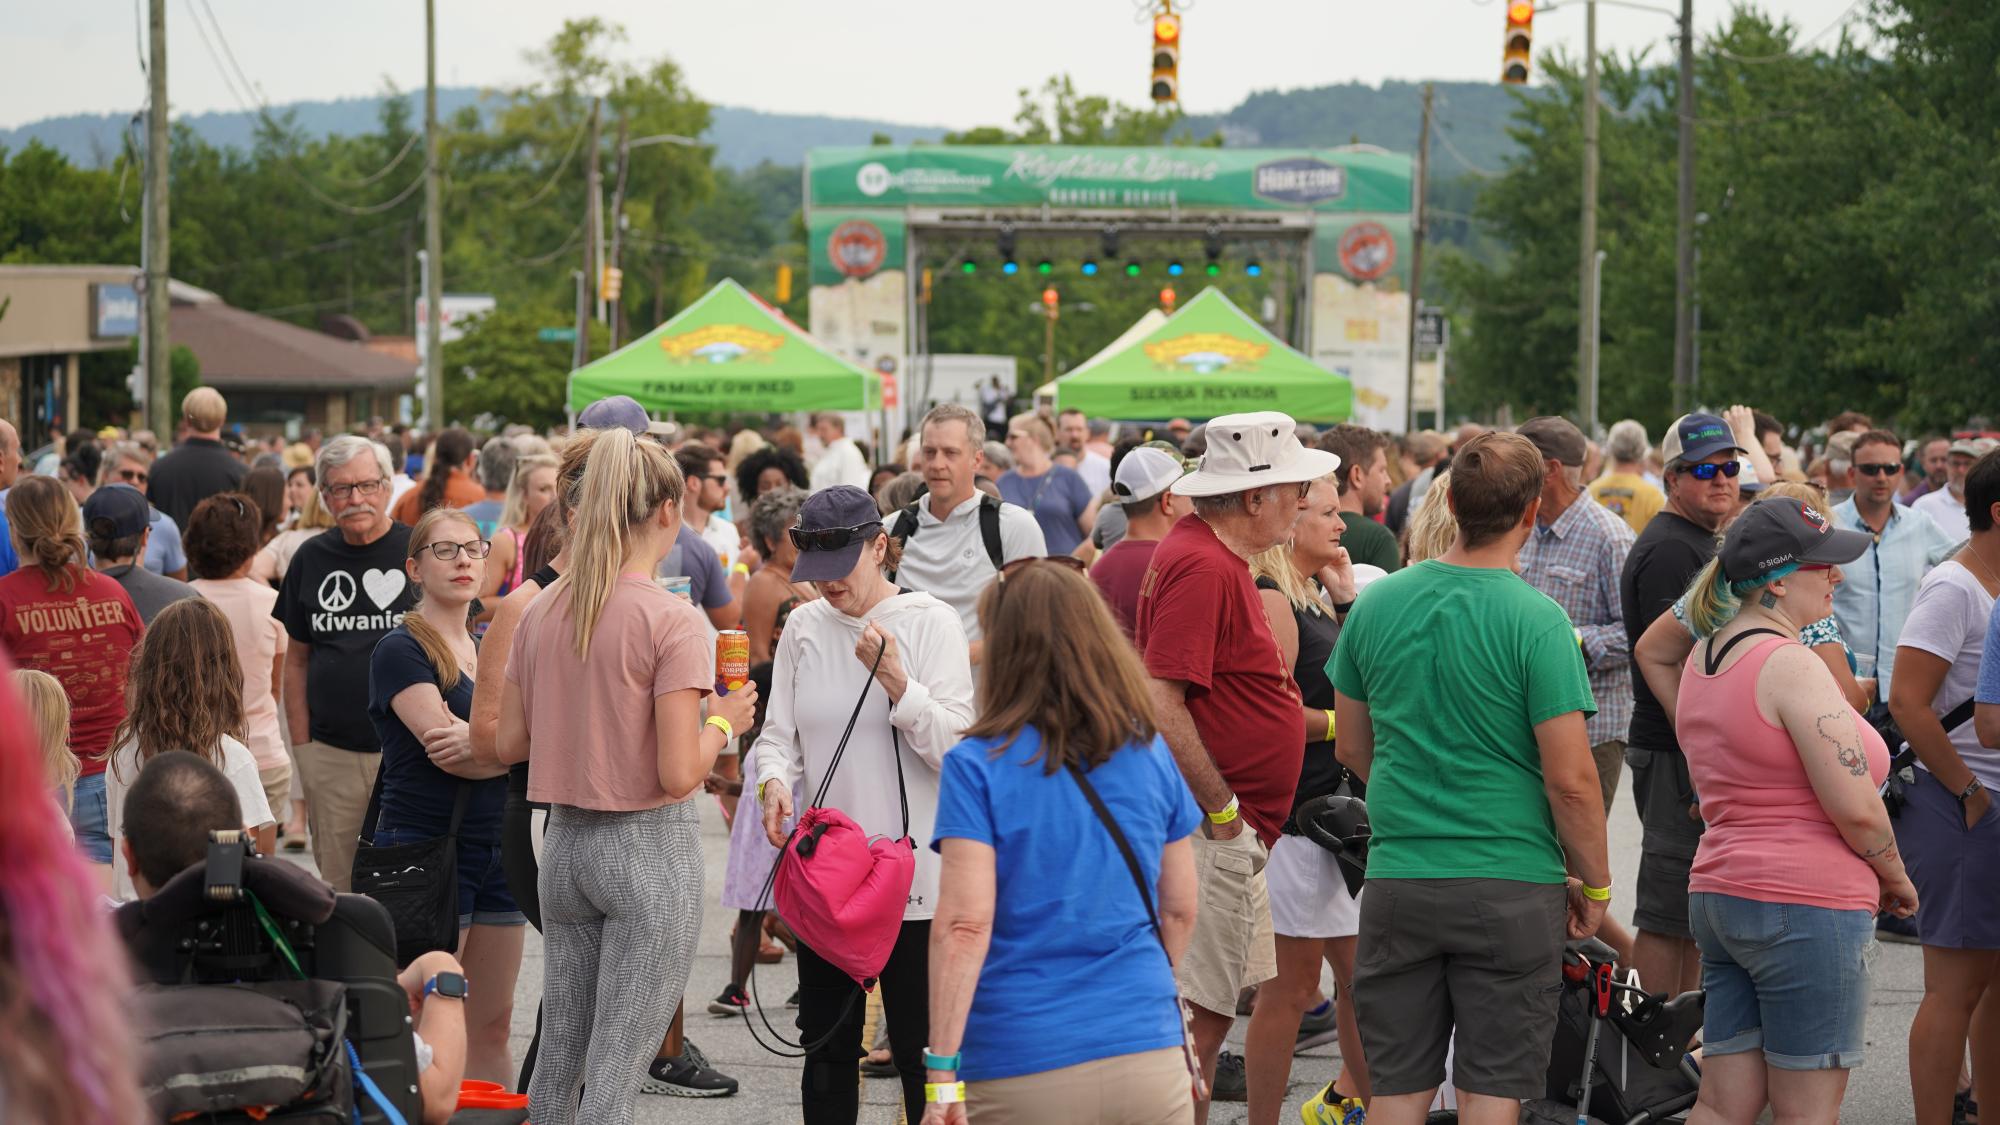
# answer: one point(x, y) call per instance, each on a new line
point(1457, 666)
point(1369, 542)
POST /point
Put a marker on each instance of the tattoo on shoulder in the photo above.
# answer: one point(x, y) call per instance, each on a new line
point(1838, 729)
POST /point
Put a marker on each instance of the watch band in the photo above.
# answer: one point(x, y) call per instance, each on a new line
point(1971, 787)
point(934, 1061)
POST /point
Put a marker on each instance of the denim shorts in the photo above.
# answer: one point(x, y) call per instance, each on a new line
point(483, 897)
point(1789, 979)
point(90, 820)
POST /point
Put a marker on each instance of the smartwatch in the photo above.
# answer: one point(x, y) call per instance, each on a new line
point(451, 986)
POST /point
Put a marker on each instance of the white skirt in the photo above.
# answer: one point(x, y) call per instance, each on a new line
point(1309, 896)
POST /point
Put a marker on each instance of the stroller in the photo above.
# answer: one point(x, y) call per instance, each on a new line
point(1620, 1053)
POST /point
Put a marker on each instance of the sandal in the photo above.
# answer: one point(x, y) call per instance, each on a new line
point(1964, 1110)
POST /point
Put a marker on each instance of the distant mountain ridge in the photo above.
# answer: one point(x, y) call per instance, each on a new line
point(1471, 117)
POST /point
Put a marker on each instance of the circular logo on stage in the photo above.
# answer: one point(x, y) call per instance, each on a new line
point(1367, 251)
point(336, 591)
point(873, 179)
point(857, 248)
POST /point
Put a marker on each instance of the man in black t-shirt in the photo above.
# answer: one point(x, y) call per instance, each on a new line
point(200, 466)
point(344, 589)
point(1700, 479)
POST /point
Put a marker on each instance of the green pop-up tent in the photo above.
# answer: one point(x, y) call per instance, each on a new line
point(727, 352)
point(1209, 358)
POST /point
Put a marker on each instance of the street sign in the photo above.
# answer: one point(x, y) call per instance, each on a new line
point(1433, 330)
point(556, 335)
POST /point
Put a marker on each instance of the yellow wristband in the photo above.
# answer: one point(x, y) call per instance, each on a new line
point(1227, 814)
point(1329, 725)
point(760, 792)
point(721, 724)
point(740, 568)
point(1596, 894)
point(944, 1093)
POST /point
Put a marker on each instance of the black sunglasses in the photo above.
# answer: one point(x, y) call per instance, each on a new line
point(1878, 470)
point(1707, 470)
point(833, 538)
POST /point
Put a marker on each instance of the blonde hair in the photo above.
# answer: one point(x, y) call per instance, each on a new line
point(47, 528)
point(514, 511)
point(1276, 564)
point(624, 483)
point(204, 409)
point(48, 704)
point(437, 650)
point(312, 515)
point(1432, 528)
point(1037, 426)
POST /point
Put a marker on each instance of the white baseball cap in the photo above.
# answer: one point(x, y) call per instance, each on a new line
point(1145, 472)
point(1247, 451)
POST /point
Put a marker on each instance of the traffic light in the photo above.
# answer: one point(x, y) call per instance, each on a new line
point(1051, 300)
point(614, 281)
point(1166, 58)
point(1167, 299)
point(1515, 63)
point(785, 282)
point(1006, 247)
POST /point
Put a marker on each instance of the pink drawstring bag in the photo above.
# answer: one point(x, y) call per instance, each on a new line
point(843, 892)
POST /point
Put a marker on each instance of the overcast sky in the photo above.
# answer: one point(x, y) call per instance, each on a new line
point(935, 62)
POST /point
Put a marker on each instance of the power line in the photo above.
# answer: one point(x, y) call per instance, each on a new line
point(1852, 10)
point(1444, 137)
point(575, 140)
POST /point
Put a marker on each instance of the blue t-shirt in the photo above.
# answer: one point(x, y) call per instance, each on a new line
point(1988, 690)
point(485, 513)
point(1074, 972)
point(417, 795)
point(9, 561)
point(708, 583)
point(1058, 498)
point(164, 554)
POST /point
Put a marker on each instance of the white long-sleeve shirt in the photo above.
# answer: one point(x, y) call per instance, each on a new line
point(815, 680)
point(842, 463)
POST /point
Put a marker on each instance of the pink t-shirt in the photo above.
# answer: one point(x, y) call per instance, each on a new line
point(260, 637)
point(1768, 838)
point(590, 721)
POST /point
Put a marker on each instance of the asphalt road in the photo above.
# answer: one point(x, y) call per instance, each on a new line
point(1878, 1094)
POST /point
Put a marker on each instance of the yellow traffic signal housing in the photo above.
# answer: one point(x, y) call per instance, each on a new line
point(1516, 62)
point(1166, 59)
point(614, 282)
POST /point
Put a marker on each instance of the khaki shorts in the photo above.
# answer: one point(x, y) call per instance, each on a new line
point(1232, 946)
point(1147, 1088)
point(338, 782)
point(277, 782)
point(1610, 758)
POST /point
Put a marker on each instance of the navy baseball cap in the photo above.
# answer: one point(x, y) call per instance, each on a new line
point(1779, 532)
point(116, 511)
point(621, 412)
point(842, 507)
point(1698, 436)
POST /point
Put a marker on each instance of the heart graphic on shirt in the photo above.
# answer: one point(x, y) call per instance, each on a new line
point(383, 586)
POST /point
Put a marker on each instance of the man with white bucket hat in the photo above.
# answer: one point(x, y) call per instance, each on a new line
point(1225, 699)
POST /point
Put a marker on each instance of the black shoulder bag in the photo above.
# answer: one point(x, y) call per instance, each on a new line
point(1152, 916)
point(416, 883)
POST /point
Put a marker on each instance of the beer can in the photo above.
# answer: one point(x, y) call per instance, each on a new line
point(732, 660)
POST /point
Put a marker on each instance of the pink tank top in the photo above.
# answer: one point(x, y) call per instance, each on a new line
point(1768, 839)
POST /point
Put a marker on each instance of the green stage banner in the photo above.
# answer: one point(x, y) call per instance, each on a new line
point(727, 352)
point(1207, 359)
point(1113, 178)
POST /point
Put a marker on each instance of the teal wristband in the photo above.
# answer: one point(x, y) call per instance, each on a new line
point(942, 1062)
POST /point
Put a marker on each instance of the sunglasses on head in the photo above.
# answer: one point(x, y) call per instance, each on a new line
point(832, 538)
point(1707, 470)
point(1877, 470)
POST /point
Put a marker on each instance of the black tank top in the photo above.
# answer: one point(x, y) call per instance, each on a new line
point(517, 774)
point(1320, 773)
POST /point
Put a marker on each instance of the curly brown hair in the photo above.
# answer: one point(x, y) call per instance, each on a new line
point(222, 534)
point(185, 687)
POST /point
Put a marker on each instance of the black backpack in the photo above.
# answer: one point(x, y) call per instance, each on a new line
point(905, 528)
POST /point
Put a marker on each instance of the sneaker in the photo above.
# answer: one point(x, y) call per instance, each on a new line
point(732, 1002)
point(1317, 1026)
point(687, 1076)
point(1231, 1085)
point(1329, 1108)
point(1901, 931)
point(884, 1069)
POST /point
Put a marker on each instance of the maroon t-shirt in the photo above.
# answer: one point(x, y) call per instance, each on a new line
point(83, 637)
point(1200, 620)
point(1118, 573)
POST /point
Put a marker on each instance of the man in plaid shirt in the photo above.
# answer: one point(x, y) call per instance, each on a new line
point(1575, 557)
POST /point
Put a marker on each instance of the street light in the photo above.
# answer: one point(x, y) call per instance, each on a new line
point(625, 146)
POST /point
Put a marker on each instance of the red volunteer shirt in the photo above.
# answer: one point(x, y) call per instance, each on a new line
point(84, 638)
point(1200, 621)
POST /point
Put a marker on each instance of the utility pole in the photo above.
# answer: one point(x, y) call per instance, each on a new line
point(1417, 265)
point(159, 306)
point(617, 233)
point(1586, 316)
point(433, 235)
point(593, 220)
point(1684, 232)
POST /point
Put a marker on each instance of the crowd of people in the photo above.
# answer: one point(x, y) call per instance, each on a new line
point(1097, 678)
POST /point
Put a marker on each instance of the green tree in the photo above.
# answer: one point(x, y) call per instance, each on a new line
point(501, 372)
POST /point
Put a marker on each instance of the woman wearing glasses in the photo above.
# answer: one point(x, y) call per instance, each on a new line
point(420, 699)
point(913, 709)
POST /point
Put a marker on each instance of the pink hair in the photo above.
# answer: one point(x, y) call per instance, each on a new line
point(66, 1052)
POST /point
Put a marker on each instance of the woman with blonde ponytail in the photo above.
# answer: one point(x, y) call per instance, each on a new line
point(420, 681)
point(605, 681)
